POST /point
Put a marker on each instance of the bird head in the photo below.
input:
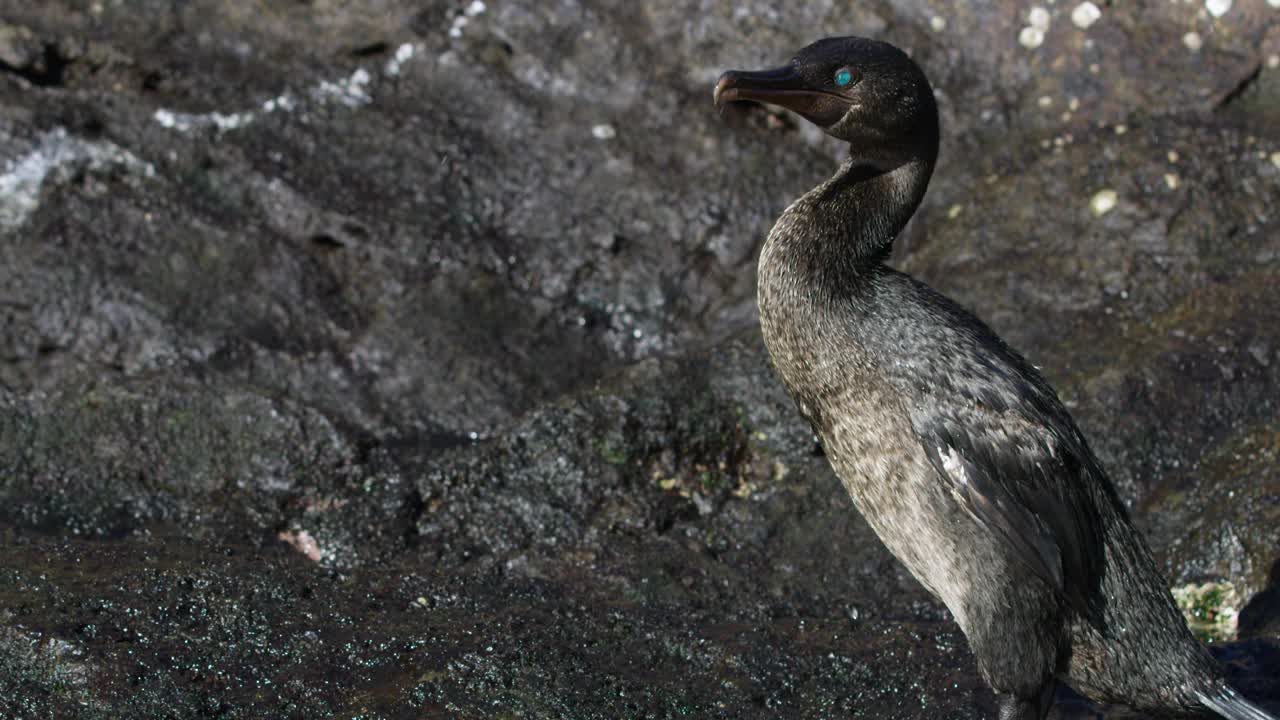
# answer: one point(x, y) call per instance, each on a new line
point(864, 92)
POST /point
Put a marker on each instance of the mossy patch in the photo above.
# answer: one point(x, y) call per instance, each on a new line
point(1211, 609)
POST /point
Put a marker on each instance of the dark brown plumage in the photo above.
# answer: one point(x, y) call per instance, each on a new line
point(953, 447)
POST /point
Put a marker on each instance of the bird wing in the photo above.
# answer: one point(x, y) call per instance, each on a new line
point(1008, 451)
point(1016, 478)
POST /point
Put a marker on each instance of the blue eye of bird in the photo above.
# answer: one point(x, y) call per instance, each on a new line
point(844, 77)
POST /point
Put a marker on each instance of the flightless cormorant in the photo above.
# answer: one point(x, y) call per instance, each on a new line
point(954, 448)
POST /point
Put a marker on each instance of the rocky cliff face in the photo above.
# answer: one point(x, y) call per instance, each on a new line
point(396, 359)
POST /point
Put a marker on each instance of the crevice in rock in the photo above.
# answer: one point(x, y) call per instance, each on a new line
point(49, 70)
point(371, 50)
point(1240, 88)
point(327, 241)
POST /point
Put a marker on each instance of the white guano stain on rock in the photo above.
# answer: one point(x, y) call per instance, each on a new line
point(1217, 8)
point(397, 61)
point(185, 122)
point(1103, 202)
point(1085, 14)
point(1031, 38)
point(353, 91)
point(1039, 18)
point(23, 177)
point(460, 21)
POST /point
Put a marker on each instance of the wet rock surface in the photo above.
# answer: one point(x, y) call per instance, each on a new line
point(398, 360)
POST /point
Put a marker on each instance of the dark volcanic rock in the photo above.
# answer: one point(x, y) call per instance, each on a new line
point(394, 359)
point(583, 567)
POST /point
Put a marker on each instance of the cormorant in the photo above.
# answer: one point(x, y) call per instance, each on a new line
point(954, 448)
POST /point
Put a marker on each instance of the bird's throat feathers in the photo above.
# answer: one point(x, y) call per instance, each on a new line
point(846, 226)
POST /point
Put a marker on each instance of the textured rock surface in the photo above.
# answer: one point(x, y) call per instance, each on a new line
point(395, 358)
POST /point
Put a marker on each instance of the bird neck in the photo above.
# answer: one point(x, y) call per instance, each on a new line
point(845, 226)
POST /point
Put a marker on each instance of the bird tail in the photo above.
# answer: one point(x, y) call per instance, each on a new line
point(1228, 703)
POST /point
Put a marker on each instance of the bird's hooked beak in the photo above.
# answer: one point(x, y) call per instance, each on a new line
point(785, 88)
